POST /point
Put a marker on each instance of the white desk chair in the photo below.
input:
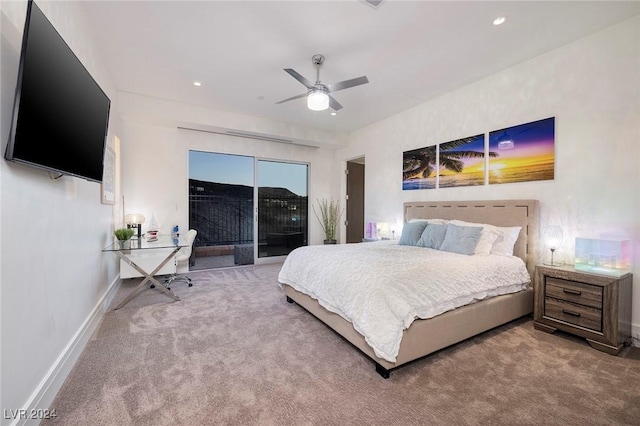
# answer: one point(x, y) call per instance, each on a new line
point(182, 259)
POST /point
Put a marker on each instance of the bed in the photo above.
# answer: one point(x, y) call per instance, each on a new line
point(425, 336)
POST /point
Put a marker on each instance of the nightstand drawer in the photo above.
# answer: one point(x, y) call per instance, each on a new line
point(582, 316)
point(576, 292)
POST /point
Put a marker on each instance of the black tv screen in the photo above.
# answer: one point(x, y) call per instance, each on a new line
point(60, 115)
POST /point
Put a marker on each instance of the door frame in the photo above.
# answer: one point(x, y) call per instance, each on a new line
point(343, 193)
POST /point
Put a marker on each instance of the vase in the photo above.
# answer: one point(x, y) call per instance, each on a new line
point(124, 244)
point(330, 242)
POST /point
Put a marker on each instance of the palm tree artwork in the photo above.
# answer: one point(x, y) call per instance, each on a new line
point(456, 166)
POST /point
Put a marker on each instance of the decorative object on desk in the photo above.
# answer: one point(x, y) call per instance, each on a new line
point(553, 239)
point(123, 235)
point(175, 233)
point(135, 220)
point(152, 231)
point(330, 213)
point(603, 256)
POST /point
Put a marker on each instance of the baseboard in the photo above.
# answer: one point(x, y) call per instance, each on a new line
point(635, 333)
point(48, 388)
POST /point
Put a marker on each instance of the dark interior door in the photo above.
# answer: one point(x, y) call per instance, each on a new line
point(355, 202)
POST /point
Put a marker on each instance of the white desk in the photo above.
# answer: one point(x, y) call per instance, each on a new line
point(125, 248)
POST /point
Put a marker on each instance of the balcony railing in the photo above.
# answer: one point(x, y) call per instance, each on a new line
point(226, 219)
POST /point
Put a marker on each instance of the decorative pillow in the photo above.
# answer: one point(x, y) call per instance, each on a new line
point(488, 236)
point(503, 246)
point(411, 232)
point(432, 236)
point(461, 239)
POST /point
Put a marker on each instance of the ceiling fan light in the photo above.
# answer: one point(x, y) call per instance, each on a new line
point(317, 100)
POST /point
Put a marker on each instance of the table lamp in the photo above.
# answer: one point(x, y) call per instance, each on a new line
point(553, 239)
point(135, 220)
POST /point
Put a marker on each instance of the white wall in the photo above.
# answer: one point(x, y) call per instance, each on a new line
point(53, 274)
point(591, 86)
point(155, 155)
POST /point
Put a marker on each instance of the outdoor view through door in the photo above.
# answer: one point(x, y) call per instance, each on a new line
point(282, 207)
point(222, 202)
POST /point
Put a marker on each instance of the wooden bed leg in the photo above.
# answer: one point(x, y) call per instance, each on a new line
point(290, 300)
point(382, 371)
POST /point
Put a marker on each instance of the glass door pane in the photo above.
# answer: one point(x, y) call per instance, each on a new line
point(221, 209)
point(282, 207)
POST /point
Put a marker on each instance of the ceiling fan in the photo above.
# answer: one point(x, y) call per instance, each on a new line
point(318, 96)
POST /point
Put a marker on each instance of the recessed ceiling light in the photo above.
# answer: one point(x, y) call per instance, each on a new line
point(197, 83)
point(499, 20)
point(334, 113)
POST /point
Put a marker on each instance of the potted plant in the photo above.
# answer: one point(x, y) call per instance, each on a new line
point(328, 216)
point(123, 235)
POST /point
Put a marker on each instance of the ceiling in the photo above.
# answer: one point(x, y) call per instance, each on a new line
point(411, 51)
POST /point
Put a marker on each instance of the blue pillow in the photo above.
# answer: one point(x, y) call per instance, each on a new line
point(432, 236)
point(461, 239)
point(411, 233)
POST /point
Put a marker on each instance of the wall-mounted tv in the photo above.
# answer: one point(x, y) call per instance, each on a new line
point(60, 114)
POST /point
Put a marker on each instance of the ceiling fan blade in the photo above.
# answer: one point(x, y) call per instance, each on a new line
point(334, 104)
point(298, 77)
point(292, 98)
point(348, 83)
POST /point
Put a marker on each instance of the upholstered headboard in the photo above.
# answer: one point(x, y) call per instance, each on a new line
point(522, 213)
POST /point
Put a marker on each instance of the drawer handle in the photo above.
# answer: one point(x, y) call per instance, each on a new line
point(574, 292)
point(573, 314)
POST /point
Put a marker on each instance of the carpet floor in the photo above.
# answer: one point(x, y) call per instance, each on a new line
point(233, 351)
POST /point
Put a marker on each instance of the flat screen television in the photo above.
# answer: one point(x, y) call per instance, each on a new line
point(60, 114)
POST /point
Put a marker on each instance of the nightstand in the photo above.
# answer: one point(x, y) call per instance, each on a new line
point(596, 307)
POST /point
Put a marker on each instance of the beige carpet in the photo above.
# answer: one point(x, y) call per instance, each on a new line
point(232, 351)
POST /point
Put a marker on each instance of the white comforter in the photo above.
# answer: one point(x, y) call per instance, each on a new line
point(382, 287)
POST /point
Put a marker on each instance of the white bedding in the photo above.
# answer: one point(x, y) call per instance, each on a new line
point(382, 287)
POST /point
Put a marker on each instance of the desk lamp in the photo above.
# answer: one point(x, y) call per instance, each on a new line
point(135, 220)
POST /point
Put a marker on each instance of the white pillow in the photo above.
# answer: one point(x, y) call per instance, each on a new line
point(503, 246)
point(488, 236)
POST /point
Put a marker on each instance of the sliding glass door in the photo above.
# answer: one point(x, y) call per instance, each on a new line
point(246, 210)
point(221, 209)
point(282, 208)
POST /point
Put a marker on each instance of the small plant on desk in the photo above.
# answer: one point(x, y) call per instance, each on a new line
point(123, 234)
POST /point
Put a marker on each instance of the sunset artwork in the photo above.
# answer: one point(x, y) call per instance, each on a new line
point(524, 153)
point(418, 168)
point(462, 162)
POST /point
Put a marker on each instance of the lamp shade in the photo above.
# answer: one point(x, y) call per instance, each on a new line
point(134, 219)
point(553, 236)
point(317, 100)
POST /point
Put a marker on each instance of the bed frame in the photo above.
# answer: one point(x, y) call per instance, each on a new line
point(424, 337)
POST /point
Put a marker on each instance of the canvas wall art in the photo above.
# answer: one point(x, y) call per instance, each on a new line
point(461, 162)
point(524, 153)
point(419, 168)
